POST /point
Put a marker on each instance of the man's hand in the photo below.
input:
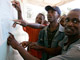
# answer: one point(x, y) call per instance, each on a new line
point(34, 45)
point(12, 41)
point(21, 22)
point(25, 43)
point(16, 5)
point(14, 25)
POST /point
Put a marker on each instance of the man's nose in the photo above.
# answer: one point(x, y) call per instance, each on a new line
point(70, 23)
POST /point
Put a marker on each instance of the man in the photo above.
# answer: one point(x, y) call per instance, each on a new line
point(50, 36)
point(27, 27)
point(33, 35)
point(71, 47)
point(39, 23)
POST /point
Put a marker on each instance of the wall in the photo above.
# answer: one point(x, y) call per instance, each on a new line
point(7, 14)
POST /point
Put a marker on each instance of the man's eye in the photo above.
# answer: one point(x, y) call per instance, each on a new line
point(67, 20)
point(75, 20)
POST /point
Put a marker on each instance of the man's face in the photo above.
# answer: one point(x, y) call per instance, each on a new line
point(40, 19)
point(52, 15)
point(72, 23)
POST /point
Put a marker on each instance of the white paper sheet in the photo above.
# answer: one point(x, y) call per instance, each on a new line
point(7, 14)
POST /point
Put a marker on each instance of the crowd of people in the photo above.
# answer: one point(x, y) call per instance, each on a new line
point(49, 40)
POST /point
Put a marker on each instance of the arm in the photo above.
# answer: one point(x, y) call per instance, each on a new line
point(33, 25)
point(21, 50)
point(51, 51)
point(25, 43)
point(36, 25)
point(25, 54)
point(40, 45)
point(72, 54)
point(17, 6)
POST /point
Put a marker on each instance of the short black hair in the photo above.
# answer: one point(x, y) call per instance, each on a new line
point(77, 9)
point(42, 15)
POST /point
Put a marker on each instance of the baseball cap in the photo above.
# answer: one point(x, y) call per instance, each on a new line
point(55, 8)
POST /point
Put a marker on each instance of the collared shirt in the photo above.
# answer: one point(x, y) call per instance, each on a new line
point(51, 35)
point(72, 53)
point(43, 41)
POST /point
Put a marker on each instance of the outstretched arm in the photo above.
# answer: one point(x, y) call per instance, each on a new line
point(51, 51)
point(17, 6)
point(33, 25)
point(26, 56)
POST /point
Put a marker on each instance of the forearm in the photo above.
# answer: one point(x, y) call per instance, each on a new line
point(20, 15)
point(35, 25)
point(52, 51)
point(25, 54)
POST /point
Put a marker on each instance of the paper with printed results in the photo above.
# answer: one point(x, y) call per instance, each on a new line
point(7, 14)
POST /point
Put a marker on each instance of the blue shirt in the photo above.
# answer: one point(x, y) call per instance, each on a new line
point(43, 41)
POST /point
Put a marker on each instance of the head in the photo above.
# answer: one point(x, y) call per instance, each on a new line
point(53, 13)
point(72, 22)
point(62, 20)
point(40, 18)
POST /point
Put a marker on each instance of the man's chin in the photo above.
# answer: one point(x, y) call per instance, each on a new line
point(39, 23)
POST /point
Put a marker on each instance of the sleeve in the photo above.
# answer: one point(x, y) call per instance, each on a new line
point(71, 54)
point(27, 29)
point(24, 28)
point(61, 43)
point(41, 38)
point(58, 39)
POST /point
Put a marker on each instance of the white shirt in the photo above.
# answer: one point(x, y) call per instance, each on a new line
point(73, 53)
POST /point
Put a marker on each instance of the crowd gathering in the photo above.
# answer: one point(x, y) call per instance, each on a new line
point(55, 39)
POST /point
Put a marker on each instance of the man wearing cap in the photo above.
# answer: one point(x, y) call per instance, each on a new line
point(50, 36)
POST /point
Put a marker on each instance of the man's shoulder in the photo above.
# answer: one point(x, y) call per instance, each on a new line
point(45, 28)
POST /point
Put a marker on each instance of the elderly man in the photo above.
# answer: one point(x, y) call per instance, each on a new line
point(70, 45)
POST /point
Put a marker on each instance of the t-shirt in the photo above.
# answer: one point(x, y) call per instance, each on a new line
point(33, 37)
point(70, 53)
